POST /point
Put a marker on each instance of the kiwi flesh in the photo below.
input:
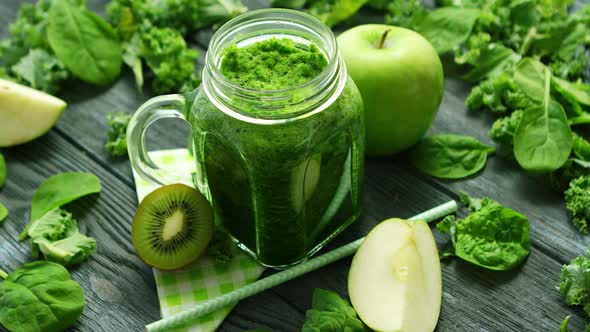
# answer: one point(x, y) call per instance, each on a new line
point(172, 227)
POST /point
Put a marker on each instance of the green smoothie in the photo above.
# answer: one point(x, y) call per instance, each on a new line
point(280, 190)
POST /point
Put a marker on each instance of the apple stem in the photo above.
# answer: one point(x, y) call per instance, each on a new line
point(383, 38)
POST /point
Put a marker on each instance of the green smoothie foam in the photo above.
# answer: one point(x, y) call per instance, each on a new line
point(281, 189)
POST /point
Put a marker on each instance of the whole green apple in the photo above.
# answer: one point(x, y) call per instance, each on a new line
point(400, 77)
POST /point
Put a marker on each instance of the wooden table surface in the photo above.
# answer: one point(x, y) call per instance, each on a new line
point(120, 289)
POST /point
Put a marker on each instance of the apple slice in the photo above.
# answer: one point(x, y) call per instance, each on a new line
point(394, 282)
point(26, 113)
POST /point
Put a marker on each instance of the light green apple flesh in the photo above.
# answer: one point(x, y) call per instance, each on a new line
point(401, 80)
point(26, 113)
point(394, 282)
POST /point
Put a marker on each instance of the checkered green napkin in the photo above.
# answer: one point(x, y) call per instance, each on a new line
point(206, 278)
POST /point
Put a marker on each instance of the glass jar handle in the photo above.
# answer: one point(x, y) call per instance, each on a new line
point(161, 107)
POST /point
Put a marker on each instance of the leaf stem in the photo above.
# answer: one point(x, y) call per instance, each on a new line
point(528, 40)
point(383, 38)
point(547, 95)
point(3, 274)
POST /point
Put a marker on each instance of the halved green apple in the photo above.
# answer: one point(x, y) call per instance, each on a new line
point(394, 282)
point(26, 113)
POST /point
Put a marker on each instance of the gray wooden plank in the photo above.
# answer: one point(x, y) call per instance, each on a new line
point(474, 300)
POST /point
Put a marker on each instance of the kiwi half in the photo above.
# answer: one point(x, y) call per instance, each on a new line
point(172, 227)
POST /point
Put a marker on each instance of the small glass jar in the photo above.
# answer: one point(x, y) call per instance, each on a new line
point(282, 169)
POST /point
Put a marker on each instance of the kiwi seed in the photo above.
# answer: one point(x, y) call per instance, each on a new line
point(172, 227)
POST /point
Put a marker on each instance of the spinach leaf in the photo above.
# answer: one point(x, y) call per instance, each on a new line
point(61, 189)
point(3, 212)
point(56, 236)
point(40, 297)
point(530, 77)
point(494, 237)
point(449, 27)
point(492, 61)
point(543, 138)
point(330, 313)
point(450, 156)
point(581, 148)
point(2, 170)
point(572, 92)
point(84, 43)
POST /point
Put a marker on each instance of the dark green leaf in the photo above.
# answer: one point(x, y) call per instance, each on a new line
point(447, 28)
point(84, 42)
point(494, 237)
point(543, 139)
point(61, 189)
point(330, 313)
point(40, 297)
point(523, 12)
point(450, 156)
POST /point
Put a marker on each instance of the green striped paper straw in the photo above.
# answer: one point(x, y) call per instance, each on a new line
point(278, 278)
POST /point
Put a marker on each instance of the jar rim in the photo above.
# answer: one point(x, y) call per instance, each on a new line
point(232, 29)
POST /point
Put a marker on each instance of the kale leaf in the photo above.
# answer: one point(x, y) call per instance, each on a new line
point(56, 236)
point(116, 144)
point(577, 201)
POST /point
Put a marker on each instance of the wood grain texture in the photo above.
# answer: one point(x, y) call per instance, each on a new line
point(120, 289)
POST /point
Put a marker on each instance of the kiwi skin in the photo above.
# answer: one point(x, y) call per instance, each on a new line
point(188, 241)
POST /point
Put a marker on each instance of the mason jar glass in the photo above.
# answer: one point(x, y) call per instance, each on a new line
point(282, 169)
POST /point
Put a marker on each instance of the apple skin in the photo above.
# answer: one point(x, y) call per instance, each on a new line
point(26, 113)
point(395, 282)
point(401, 84)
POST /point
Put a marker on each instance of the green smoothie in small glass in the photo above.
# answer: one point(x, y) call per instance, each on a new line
point(278, 135)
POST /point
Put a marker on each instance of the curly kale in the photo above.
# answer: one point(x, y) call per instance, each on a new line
point(154, 31)
point(405, 13)
point(40, 70)
point(117, 135)
point(575, 283)
point(171, 60)
point(577, 201)
point(500, 94)
point(503, 129)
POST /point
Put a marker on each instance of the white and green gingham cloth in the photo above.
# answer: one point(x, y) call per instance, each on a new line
point(206, 278)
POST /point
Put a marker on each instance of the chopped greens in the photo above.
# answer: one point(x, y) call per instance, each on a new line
point(577, 201)
point(575, 285)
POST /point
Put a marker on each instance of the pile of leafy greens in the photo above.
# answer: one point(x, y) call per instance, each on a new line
point(153, 34)
point(530, 64)
point(53, 40)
